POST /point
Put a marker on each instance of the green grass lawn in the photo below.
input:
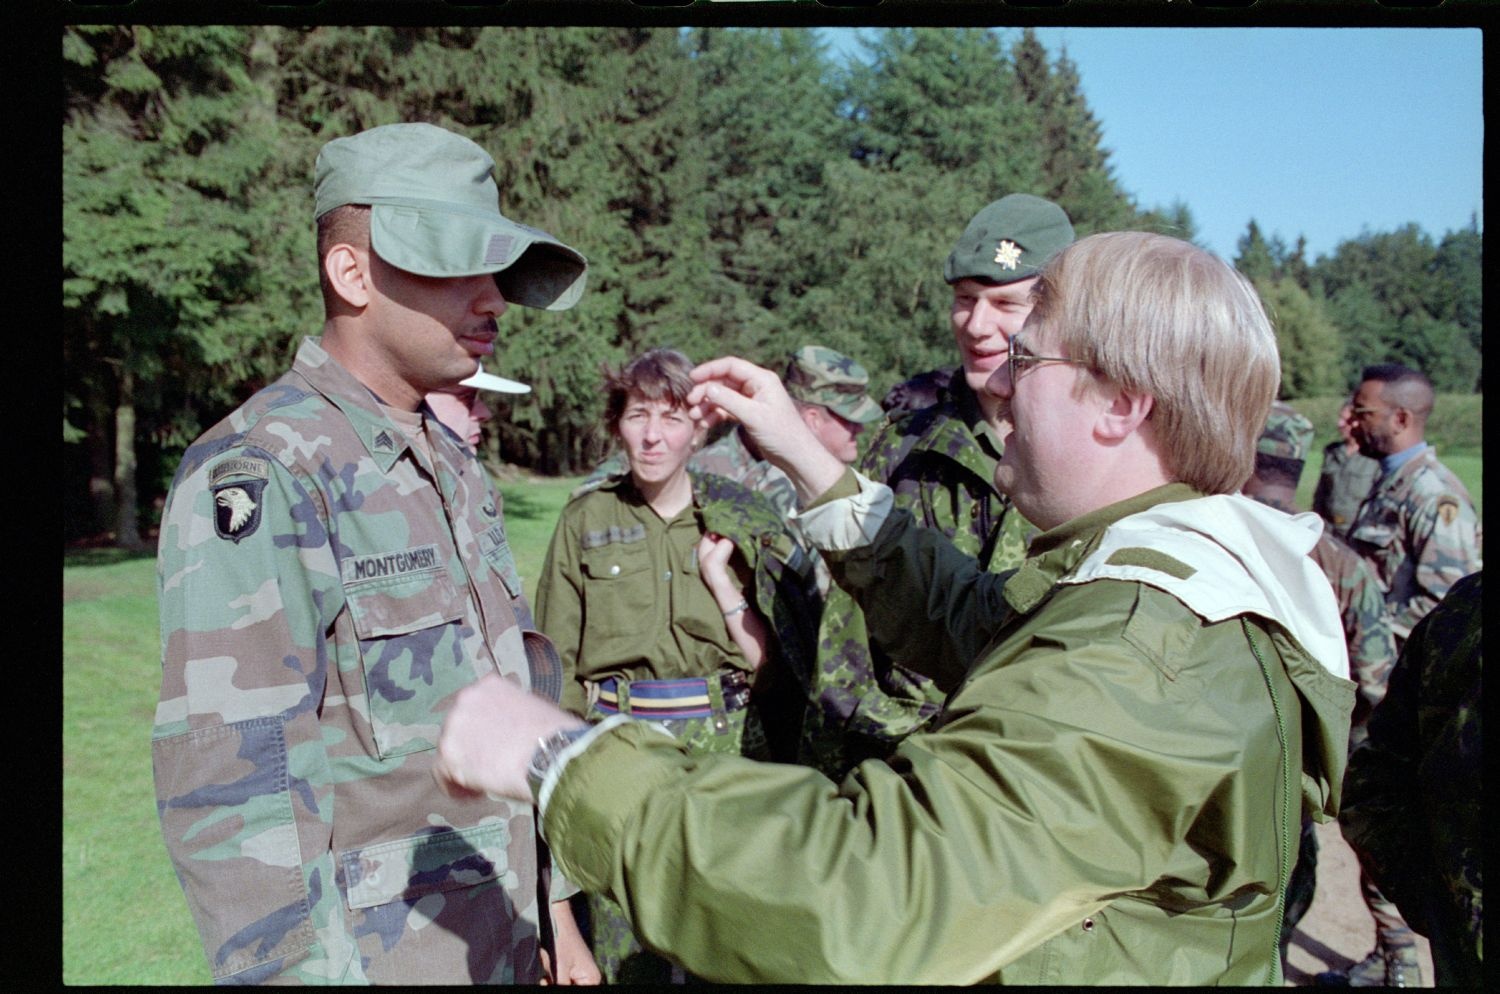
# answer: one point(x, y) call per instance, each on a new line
point(124, 918)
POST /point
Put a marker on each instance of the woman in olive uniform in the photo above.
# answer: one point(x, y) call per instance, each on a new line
point(658, 590)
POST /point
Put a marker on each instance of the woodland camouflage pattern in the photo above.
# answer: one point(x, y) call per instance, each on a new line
point(730, 459)
point(940, 464)
point(318, 610)
point(1419, 530)
point(1343, 484)
point(1367, 629)
point(1412, 795)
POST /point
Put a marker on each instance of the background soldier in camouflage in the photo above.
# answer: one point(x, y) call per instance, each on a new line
point(1412, 791)
point(940, 462)
point(669, 593)
point(1281, 452)
point(1418, 526)
point(1346, 477)
point(333, 568)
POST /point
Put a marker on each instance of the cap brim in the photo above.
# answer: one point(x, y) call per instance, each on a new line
point(862, 411)
point(489, 381)
point(531, 267)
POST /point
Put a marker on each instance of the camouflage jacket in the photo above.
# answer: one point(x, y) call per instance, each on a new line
point(729, 458)
point(324, 590)
point(940, 463)
point(1419, 530)
point(1367, 630)
point(1343, 484)
point(1412, 795)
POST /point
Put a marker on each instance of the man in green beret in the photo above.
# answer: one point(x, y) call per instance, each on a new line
point(333, 569)
point(939, 460)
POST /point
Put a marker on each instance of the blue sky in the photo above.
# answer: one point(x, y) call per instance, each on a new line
point(1317, 132)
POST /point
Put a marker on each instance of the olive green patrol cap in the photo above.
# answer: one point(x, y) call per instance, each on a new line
point(1009, 240)
point(817, 375)
point(434, 211)
point(1287, 434)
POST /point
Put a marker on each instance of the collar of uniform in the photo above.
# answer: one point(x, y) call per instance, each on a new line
point(384, 439)
point(1055, 553)
point(965, 401)
point(955, 427)
point(1389, 464)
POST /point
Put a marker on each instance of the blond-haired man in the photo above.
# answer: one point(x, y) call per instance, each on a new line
point(1135, 718)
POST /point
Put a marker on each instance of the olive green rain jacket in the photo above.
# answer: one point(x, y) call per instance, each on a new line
point(1111, 794)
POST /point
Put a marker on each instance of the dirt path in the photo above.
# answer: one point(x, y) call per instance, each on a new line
point(1337, 930)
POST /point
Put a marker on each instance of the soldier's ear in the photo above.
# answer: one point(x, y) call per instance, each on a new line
point(348, 272)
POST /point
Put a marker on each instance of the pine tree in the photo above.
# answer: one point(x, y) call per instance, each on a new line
point(1309, 344)
point(1255, 258)
point(1076, 171)
point(159, 161)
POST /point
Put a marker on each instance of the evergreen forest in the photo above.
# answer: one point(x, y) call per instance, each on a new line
point(735, 190)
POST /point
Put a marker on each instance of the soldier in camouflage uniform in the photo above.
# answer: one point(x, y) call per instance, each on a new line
point(1412, 792)
point(1281, 452)
point(1418, 527)
point(940, 462)
point(1418, 531)
point(1345, 479)
point(669, 594)
point(333, 567)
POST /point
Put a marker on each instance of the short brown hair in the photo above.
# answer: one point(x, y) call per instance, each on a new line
point(657, 374)
point(1160, 316)
point(346, 225)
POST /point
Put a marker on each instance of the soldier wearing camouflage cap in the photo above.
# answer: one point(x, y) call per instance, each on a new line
point(1280, 453)
point(333, 568)
point(829, 389)
point(940, 462)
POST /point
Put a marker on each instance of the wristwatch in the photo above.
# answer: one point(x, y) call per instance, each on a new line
point(549, 749)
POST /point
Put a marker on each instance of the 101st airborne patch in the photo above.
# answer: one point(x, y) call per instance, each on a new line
point(1447, 508)
point(237, 485)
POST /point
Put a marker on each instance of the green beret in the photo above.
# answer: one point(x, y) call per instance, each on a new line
point(1009, 240)
point(435, 211)
point(1287, 434)
point(815, 375)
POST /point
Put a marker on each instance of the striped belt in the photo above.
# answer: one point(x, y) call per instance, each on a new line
point(688, 697)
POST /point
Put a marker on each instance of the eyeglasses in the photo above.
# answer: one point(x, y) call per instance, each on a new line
point(1021, 356)
point(1360, 412)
